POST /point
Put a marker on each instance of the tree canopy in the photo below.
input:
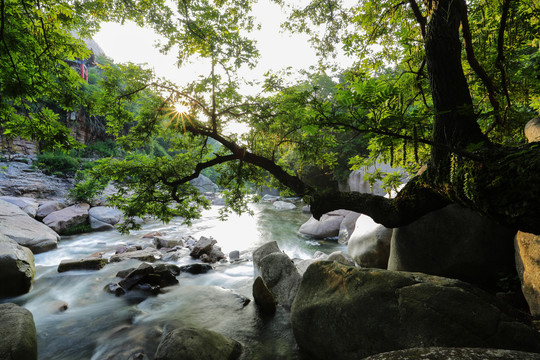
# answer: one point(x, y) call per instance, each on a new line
point(445, 83)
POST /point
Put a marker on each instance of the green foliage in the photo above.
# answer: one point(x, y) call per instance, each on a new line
point(100, 149)
point(88, 187)
point(57, 163)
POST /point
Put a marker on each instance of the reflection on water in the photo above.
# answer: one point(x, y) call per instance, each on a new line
point(98, 325)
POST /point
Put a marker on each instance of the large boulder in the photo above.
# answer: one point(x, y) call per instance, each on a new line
point(278, 273)
point(18, 339)
point(457, 243)
point(62, 220)
point(347, 226)
point(532, 130)
point(18, 226)
point(204, 184)
point(327, 226)
point(28, 205)
point(343, 312)
point(284, 205)
point(195, 344)
point(104, 217)
point(369, 244)
point(528, 266)
point(48, 207)
point(17, 269)
point(439, 353)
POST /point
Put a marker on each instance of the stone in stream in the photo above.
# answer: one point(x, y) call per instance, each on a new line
point(206, 251)
point(146, 277)
point(104, 217)
point(18, 339)
point(48, 207)
point(17, 269)
point(451, 353)
point(195, 344)
point(148, 255)
point(196, 269)
point(65, 219)
point(90, 263)
point(263, 297)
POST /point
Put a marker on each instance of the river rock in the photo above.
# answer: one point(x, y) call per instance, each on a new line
point(280, 276)
point(263, 297)
point(195, 344)
point(161, 242)
point(18, 226)
point(346, 228)
point(284, 205)
point(271, 198)
point(457, 243)
point(146, 277)
point(204, 184)
point(439, 353)
point(527, 263)
point(148, 254)
point(49, 207)
point(532, 130)
point(327, 226)
point(369, 244)
point(104, 217)
point(345, 312)
point(205, 250)
point(341, 258)
point(28, 205)
point(91, 263)
point(62, 220)
point(266, 249)
point(18, 339)
point(17, 269)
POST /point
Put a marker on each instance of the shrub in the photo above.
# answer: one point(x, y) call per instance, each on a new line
point(57, 163)
point(88, 187)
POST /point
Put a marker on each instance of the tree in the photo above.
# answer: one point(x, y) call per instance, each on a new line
point(436, 87)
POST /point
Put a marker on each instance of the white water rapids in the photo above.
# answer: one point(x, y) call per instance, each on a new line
point(98, 325)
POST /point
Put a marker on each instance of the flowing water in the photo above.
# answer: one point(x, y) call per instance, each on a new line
point(98, 325)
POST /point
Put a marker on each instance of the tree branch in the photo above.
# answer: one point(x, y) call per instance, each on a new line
point(419, 17)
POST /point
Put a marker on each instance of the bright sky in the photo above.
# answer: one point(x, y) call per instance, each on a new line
point(278, 50)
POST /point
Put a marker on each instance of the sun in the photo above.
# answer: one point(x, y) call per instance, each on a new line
point(181, 108)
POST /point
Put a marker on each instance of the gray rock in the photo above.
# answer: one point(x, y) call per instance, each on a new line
point(369, 245)
point(532, 130)
point(234, 255)
point(347, 313)
point(62, 220)
point(346, 228)
point(271, 198)
point(281, 277)
point(161, 242)
point(148, 254)
point(263, 297)
point(341, 258)
point(48, 207)
point(439, 353)
point(18, 226)
point(195, 344)
point(17, 269)
point(284, 205)
point(196, 269)
point(327, 226)
point(457, 243)
point(18, 339)
point(204, 184)
point(262, 251)
point(203, 246)
point(82, 264)
point(28, 205)
point(104, 217)
point(528, 266)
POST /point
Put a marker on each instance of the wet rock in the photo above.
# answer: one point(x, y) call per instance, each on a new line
point(148, 255)
point(278, 272)
point(48, 207)
point(146, 277)
point(216, 254)
point(284, 205)
point(271, 198)
point(18, 226)
point(151, 235)
point(54, 307)
point(18, 339)
point(263, 297)
point(369, 244)
point(196, 269)
point(62, 220)
point(90, 263)
point(341, 258)
point(203, 246)
point(347, 313)
point(28, 205)
point(161, 242)
point(439, 353)
point(104, 217)
point(234, 255)
point(17, 269)
point(302, 265)
point(195, 344)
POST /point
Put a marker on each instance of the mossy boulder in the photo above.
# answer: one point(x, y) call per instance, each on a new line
point(18, 339)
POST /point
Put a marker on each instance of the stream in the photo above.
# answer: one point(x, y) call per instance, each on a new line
point(98, 325)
